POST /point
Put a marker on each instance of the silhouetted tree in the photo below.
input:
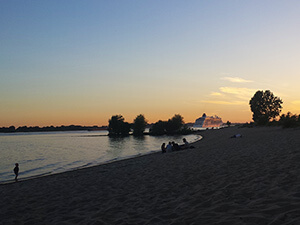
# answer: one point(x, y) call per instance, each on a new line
point(12, 129)
point(8, 129)
point(159, 128)
point(289, 120)
point(117, 126)
point(228, 123)
point(265, 106)
point(175, 124)
point(139, 125)
point(50, 128)
point(22, 129)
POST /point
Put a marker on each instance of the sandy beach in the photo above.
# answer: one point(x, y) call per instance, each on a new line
point(223, 180)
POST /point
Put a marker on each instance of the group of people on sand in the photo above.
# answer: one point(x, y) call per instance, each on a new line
point(173, 146)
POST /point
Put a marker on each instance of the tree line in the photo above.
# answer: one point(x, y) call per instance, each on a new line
point(13, 129)
point(266, 109)
point(118, 127)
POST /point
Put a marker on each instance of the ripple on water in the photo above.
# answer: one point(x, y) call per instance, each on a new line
point(45, 153)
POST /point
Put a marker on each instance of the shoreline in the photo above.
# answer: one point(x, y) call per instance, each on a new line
point(102, 151)
point(5, 182)
point(248, 180)
point(76, 169)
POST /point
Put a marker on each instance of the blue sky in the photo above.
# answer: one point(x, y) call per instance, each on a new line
point(80, 62)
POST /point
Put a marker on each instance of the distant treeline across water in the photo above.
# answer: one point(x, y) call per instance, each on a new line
point(12, 129)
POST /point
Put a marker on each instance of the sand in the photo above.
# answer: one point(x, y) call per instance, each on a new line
point(248, 180)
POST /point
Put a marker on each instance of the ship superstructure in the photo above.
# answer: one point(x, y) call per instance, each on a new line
point(207, 121)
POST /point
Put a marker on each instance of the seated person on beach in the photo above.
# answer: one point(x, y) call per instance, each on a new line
point(176, 147)
point(169, 147)
point(185, 143)
point(236, 136)
point(163, 148)
point(16, 171)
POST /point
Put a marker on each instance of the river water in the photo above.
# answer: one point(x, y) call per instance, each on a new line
point(54, 152)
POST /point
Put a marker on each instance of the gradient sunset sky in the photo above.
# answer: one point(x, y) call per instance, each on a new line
point(68, 62)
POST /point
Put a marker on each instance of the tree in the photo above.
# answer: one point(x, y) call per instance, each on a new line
point(117, 126)
point(175, 124)
point(139, 125)
point(289, 120)
point(159, 128)
point(228, 123)
point(265, 106)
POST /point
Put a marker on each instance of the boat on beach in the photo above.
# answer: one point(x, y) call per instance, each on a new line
point(207, 122)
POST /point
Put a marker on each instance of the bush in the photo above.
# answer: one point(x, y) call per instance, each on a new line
point(159, 128)
point(175, 124)
point(117, 126)
point(139, 125)
point(289, 120)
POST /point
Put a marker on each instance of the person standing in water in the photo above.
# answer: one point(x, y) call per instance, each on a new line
point(16, 171)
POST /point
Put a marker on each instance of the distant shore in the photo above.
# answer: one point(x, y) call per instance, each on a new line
point(12, 129)
point(223, 180)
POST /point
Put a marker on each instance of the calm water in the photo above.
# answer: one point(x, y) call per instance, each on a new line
point(55, 152)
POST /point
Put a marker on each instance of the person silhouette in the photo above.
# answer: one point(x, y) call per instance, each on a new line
point(185, 143)
point(163, 148)
point(16, 171)
point(169, 147)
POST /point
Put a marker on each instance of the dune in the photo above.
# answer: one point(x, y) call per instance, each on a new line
point(223, 180)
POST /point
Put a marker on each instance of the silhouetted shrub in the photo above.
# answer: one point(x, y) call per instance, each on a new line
point(228, 123)
point(117, 126)
point(159, 128)
point(139, 125)
point(289, 120)
point(175, 124)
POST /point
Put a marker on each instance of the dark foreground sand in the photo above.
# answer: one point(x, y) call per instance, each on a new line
point(249, 180)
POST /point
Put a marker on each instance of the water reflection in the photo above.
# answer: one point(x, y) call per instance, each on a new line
point(57, 152)
point(116, 146)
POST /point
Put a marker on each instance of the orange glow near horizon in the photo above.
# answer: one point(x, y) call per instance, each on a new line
point(231, 104)
point(85, 118)
point(81, 67)
point(101, 119)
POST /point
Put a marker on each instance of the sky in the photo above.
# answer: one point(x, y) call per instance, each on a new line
point(66, 62)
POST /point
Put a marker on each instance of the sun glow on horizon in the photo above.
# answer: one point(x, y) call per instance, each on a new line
point(82, 63)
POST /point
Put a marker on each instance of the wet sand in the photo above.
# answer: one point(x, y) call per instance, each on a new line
point(223, 180)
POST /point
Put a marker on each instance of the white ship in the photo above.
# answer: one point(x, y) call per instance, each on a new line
point(207, 121)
